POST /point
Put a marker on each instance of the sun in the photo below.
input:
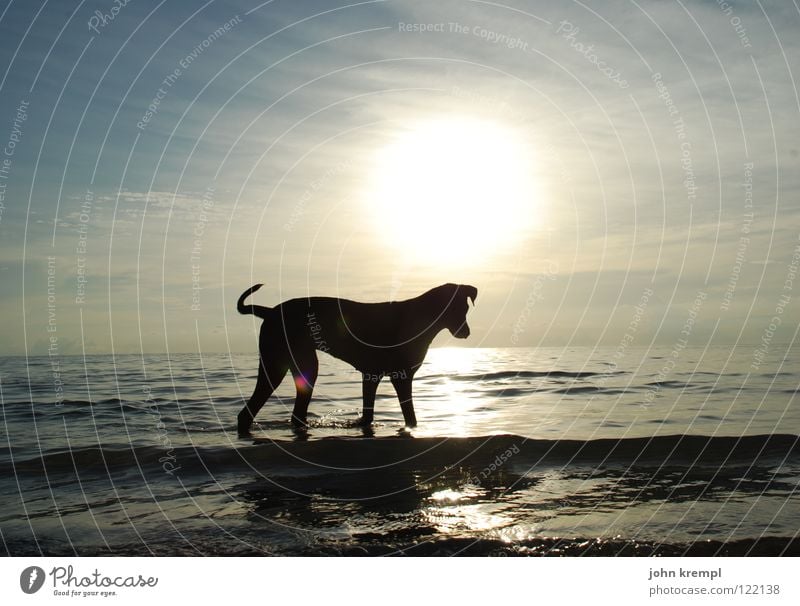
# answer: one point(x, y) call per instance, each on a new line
point(454, 190)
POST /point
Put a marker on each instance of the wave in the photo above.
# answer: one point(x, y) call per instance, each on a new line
point(97, 402)
point(219, 544)
point(524, 374)
point(337, 454)
point(43, 407)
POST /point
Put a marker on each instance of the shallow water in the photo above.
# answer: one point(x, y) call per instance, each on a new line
point(518, 451)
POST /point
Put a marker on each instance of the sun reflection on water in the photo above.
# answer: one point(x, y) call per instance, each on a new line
point(455, 512)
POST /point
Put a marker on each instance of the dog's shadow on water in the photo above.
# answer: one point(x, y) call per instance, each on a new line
point(396, 504)
point(385, 490)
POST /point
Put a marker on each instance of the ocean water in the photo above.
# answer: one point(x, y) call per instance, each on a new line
point(518, 451)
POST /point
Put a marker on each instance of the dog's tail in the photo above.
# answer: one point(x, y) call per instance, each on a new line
point(256, 310)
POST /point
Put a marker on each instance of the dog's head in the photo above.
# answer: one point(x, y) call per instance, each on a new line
point(454, 305)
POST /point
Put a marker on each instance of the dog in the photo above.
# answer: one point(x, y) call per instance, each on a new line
point(378, 339)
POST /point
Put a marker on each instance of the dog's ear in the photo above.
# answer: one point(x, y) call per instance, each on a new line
point(471, 292)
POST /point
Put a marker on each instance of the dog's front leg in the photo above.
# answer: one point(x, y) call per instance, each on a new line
point(369, 387)
point(402, 385)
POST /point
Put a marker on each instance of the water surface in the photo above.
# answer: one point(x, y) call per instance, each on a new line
point(529, 451)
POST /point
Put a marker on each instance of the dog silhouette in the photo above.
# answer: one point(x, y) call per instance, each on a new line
point(378, 339)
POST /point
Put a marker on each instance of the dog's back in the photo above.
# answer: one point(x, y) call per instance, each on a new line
point(369, 336)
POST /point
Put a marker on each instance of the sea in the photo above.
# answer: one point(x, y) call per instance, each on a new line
point(518, 451)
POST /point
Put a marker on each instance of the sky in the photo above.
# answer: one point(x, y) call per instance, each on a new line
point(613, 174)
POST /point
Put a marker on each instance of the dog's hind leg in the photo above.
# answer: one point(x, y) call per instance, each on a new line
point(304, 371)
point(270, 375)
point(403, 388)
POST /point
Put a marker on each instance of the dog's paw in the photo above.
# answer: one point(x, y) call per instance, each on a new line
point(363, 422)
point(299, 424)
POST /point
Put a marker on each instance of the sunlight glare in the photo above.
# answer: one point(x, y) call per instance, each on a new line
point(454, 189)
